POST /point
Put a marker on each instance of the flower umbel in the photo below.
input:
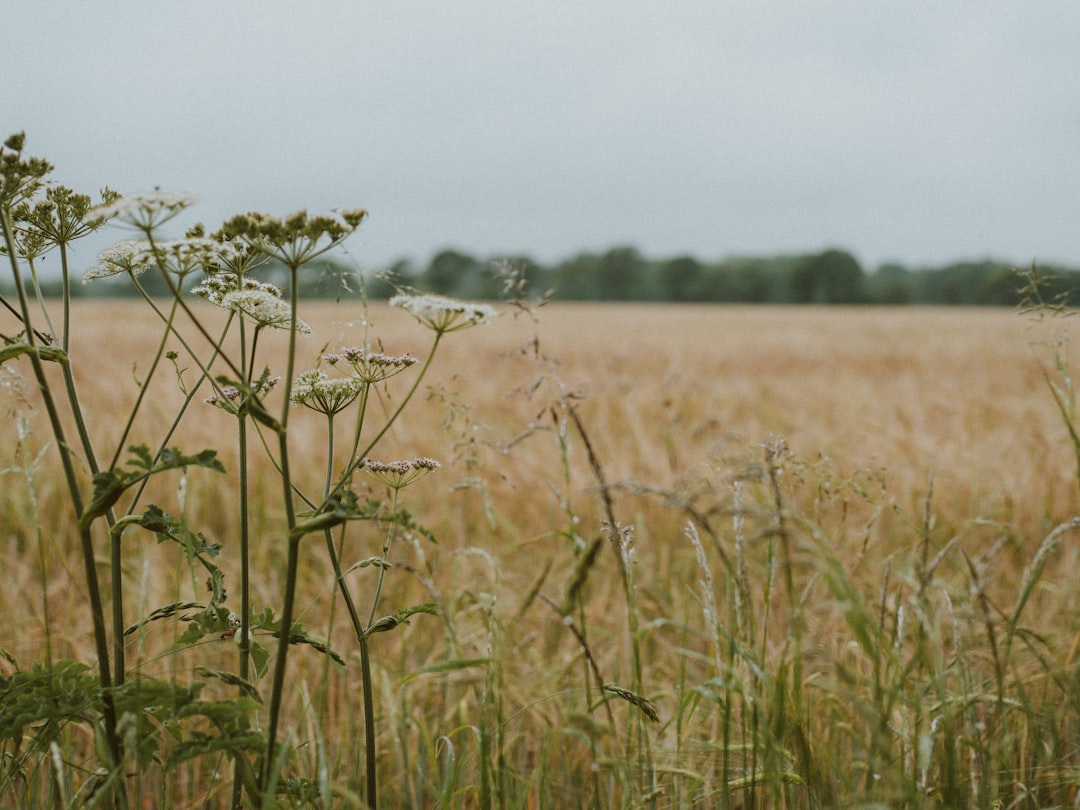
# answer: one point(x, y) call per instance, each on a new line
point(371, 367)
point(129, 256)
point(294, 239)
point(443, 314)
point(315, 390)
point(144, 211)
point(399, 474)
point(228, 397)
point(216, 286)
point(264, 308)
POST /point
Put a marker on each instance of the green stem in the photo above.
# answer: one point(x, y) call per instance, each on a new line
point(41, 301)
point(371, 783)
point(65, 281)
point(144, 386)
point(245, 566)
point(386, 561)
point(97, 611)
point(371, 777)
point(174, 289)
point(293, 560)
point(405, 401)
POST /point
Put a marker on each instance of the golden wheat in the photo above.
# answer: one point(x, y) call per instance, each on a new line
point(884, 411)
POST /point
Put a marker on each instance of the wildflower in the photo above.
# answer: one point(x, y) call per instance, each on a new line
point(399, 474)
point(144, 211)
point(182, 256)
point(315, 390)
point(128, 256)
point(294, 239)
point(216, 286)
point(264, 308)
point(228, 396)
point(20, 177)
point(371, 367)
point(443, 314)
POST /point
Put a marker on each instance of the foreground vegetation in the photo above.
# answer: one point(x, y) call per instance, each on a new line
point(673, 557)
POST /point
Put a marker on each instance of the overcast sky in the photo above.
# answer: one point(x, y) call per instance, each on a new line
point(918, 131)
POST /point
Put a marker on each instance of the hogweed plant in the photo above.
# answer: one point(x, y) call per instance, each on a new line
point(133, 717)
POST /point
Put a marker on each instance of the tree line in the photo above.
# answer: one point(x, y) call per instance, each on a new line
point(831, 276)
point(622, 273)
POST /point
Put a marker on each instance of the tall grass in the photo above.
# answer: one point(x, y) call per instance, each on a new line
point(683, 557)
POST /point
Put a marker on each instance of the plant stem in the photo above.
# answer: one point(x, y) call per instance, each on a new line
point(97, 612)
point(293, 560)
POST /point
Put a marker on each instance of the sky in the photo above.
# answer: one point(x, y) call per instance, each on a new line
point(920, 132)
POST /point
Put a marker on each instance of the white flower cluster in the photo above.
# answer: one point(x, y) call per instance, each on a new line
point(145, 211)
point(178, 256)
point(183, 256)
point(315, 390)
point(264, 308)
point(443, 314)
point(215, 287)
point(128, 256)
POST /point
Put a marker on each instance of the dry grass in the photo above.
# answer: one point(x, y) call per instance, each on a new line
point(907, 428)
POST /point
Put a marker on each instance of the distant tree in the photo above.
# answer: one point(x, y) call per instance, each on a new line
point(681, 279)
point(621, 275)
point(985, 283)
point(831, 277)
point(451, 273)
point(891, 284)
point(578, 279)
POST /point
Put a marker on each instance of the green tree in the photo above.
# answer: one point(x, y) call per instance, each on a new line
point(452, 273)
point(681, 279)
point(891, 284)
point(620, 275)
point(831, 277)
point(578, 279)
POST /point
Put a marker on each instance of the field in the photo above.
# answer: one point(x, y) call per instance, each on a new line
point(838, 574)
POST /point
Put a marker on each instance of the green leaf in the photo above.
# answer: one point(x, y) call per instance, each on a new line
point(109, 485)
point(264, 620)
point(246, 687)
point(47, 698)
point(162, 613)
point(339, 507)
point(195, 545)
point(260, 659)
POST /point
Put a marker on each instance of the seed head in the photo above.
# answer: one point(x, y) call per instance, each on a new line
point(443, 314)
point(399, 474)
point(371, 367)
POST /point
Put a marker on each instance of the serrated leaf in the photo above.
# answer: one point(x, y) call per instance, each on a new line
point(109, 485)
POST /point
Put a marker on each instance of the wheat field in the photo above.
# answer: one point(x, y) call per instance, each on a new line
point(830, 577)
